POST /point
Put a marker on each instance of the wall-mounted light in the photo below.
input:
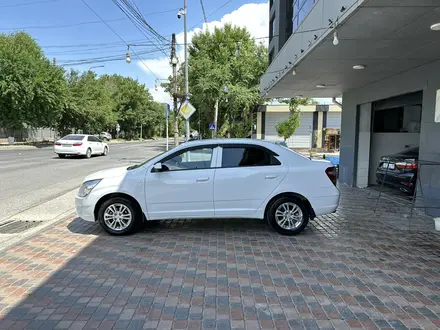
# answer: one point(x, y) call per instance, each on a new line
point(315, 37)
point(435, 27)
point(342, 9)
point(320, 86)
point(302, 50)
point(293, 71)
point(335, 38)
point(330, 21)
point(359, 67)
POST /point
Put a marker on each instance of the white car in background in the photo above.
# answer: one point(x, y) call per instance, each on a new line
point(80, 145)
point(226, 178)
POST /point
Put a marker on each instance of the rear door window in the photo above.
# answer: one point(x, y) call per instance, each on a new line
point(247, 156)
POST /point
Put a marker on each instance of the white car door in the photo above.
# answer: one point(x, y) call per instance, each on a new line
point(246, 176)
point(184, 186)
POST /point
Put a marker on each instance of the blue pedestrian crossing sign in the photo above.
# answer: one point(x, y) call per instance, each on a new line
point(212, 127)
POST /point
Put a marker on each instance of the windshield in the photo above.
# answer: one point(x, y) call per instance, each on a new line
point(73, 137)
point(132, 167)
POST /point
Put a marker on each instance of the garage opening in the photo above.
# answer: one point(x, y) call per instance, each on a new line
point(395, 128)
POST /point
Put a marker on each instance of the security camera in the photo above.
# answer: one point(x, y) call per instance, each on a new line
point(180, 13)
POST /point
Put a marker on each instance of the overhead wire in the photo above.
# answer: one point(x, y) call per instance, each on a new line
point(27, 3)
point(131, 10)
point(82, 23)
point(140, 59)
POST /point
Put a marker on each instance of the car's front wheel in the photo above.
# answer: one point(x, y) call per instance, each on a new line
point(288, 216)
point(118, 216)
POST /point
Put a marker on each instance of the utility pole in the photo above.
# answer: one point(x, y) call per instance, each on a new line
point(186, 62)
point(173, 61)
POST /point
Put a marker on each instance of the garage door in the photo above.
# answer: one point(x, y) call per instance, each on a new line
point(303, 134)
point(334, 120)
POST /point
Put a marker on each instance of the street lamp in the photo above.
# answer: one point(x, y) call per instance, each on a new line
point(183, 12)
point(96, 66)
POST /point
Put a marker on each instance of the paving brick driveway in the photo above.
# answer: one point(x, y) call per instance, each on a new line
point(352, 269)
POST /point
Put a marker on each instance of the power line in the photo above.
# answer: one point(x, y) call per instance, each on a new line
point(27, 3)
point(82, 23)
point(205, 18)
point(83, 1)
point(134, 15)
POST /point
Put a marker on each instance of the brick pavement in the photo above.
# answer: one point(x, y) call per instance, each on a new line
point(352, 269)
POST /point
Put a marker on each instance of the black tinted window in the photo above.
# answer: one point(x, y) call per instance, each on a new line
point(247, 156)
point(73, 137)
point(91, 139)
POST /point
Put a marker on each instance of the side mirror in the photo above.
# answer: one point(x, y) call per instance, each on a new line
point(157, 167)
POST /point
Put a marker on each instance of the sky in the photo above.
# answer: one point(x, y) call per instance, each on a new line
point(69, 30)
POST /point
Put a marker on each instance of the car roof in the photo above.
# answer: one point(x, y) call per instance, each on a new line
point(230, 141)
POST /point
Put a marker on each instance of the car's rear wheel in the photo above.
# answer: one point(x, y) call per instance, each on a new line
point(61, 156)
point(105, 153)
point(288, 216)
point(118, 216)
point(89, 153)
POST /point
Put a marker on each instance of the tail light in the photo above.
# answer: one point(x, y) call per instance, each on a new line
point(332, 174)
point(408, 164)
point(77, 144)
point(58, 144)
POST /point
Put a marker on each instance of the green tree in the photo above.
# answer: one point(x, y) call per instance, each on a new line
point(134, 107)
point(32, 89)
point(228, 57)
point(89, 105)
point(287, 128)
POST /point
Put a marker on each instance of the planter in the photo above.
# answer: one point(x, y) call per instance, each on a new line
point(437, 223)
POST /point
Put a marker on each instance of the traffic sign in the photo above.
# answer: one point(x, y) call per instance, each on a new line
point(212, 127)
point(187, 109)
point(167, 110)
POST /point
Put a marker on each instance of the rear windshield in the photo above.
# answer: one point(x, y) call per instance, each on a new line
point(73, 137)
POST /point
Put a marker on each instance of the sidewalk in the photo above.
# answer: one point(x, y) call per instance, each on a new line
point(352, 269)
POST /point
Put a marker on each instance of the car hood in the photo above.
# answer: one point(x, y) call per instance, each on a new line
point(110, 173)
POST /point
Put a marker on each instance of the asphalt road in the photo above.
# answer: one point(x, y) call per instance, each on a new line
point(31, 177)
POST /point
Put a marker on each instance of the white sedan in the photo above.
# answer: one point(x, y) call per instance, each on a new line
point(80, 145)
point(230, 178)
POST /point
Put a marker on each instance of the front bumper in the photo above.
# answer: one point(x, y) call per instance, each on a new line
point(85, 210)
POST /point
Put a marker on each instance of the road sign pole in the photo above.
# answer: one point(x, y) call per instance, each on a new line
point(167, 113)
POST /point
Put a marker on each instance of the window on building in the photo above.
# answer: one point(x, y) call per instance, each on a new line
point(271, 54)
point(301, 9)
point(247, 156)
point(272, 28)
point(388, 121)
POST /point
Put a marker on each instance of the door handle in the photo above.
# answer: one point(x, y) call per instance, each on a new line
point(202, 179)
point(271, 176)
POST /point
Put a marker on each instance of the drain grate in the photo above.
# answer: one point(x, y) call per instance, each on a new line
point(16, 226)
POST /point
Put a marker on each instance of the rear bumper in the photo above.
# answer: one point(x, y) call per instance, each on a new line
point(69, 151)
point(325, 205)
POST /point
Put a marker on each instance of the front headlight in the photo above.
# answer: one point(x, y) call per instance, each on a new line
point(87, 187)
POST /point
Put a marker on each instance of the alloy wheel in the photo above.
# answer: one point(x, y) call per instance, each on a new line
point(118, 217)
point(289, 216)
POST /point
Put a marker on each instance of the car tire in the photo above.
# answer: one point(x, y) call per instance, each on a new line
point(89, 153)
point(61, 156)
point(105, 153)
point(288, 216)
point(113, 226)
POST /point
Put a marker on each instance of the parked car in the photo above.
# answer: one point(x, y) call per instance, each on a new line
point(225, 178)
point(105, 136)
point(80, 145)
point(400, 170)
